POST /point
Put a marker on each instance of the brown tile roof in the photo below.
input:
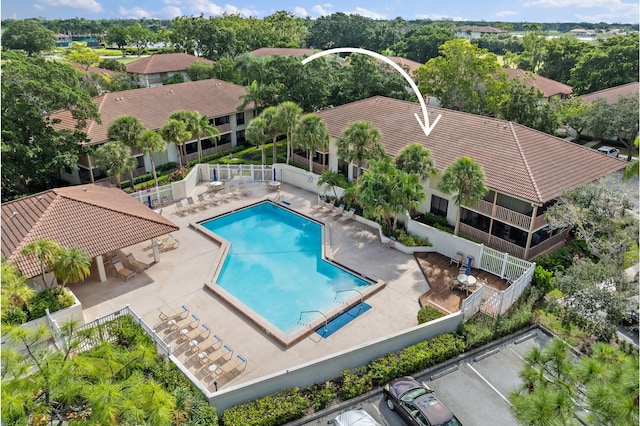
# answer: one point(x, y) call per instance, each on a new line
point(547, 86)
point(517, 160)
point(97, 218)
point(167, 62)
point(282, 51)
point(153, 105)
point(612, 94)
point(95, 70)
point(406, 63)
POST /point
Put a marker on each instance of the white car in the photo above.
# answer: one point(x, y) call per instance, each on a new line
point(609, 150)
point(357, 417)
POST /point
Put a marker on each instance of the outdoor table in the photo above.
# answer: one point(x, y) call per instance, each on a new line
point(273, 185)
point(216, 185)
point(467, 281)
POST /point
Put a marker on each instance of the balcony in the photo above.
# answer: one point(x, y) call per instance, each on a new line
point(492, 241)
point(508, 216)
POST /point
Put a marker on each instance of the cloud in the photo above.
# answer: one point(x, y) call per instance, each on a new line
point(90, 6)
point(506, 13)
point(436, 17)
point(208, 8)
point(320, 9)
point(171, 12)
point(134, 13)
point(300, 11)
point(367, 13)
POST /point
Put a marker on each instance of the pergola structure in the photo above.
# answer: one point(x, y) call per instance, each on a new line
point(96, 218)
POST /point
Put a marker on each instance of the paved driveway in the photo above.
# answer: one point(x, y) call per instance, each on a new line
point(475, 388)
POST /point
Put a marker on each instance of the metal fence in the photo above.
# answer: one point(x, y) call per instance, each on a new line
point(101, 330)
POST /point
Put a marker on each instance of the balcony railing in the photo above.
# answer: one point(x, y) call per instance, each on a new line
point(548, 244)
point(494, 242)
point(317, 168)
point(506, 215)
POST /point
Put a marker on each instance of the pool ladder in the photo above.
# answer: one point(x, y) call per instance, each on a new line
point(349, 289)
point(326, 320)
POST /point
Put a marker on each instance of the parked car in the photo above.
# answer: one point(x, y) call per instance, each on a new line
point(610, 151)
point(417, 404)
point(358, 417)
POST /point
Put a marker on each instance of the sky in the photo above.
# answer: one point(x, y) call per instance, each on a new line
point(609, 11)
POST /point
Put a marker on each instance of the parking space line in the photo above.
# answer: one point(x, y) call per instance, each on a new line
point(488, 383)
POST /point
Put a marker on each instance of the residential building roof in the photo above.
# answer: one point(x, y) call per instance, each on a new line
point(153, 105)
point(612, 94)
point(96, 218)
point(408, 63)
point(479, 29)
point(166, 62)
point(547, 86)
point(516, 160)
point(95, 70)
point(282, 51)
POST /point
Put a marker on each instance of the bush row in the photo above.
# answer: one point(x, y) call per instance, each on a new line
point(54, 300)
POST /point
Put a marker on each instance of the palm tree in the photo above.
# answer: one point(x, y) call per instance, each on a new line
point(197, 125)
point(273, 129)
point(114, 158)
point(332, 178)
point(257, 132)
point(126, 129)
point(465, 179)
point(15, 291)
point(73, 264)
point(175, 131)
point(45, 252)
point(356, 143)
point(309, 134)
point(416, 159)
point(151, 142)
point(287, 117)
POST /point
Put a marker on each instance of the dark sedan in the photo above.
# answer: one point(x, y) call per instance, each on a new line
point(417, 404)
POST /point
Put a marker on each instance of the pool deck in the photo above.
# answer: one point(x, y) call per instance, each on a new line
point(180, 276)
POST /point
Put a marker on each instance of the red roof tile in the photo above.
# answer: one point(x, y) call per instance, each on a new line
point(167, 62)
point(547, 86)
point(612, 94)
point(97, 218)
point(153, 105)
point(517, 160)
point(282, 51)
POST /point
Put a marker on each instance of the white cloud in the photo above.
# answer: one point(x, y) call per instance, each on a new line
point(320, 9)
point(300, 11)
point(583, 4)
point(367, 13)
point(208, 8)
point(506, 13)
point(171, 12)
point(435, 17)
point(90, 6)
point(176, 2)
point(135, 13)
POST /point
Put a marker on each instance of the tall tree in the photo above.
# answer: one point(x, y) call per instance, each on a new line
point(617, 120)
point(81, 54)
point(28, 35)
point(273, 129)
point(257, 132)
point(310, 134)
point(288, 114)
point(175, 131)
point(118, 35)
point(332, 178)
point(14, 289)
point(114, 158)
point(198, 125)
point(463, 78)
point(416, 159)
point(357, 142)
point(34, 149)
point(151, 142)
point(576, 115)
point(72, 264)
point(126, 129)
point(465, 180)
point(422, 44)
point(522, 105)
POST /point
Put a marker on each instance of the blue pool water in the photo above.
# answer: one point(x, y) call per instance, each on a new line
point(275, 265)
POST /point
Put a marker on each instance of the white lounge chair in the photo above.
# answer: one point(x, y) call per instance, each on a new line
point(348, 215)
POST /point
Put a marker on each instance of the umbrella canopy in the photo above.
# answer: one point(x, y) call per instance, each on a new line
point(274, 174)
point(469, 262)
point(215, 174)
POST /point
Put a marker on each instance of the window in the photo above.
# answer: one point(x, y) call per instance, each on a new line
point(222, 120)
point(240, 138)
point(439, 205)
point(191, 147)
point(240, 118)
point(140, 161)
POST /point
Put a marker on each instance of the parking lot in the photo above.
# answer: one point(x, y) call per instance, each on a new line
point(475, 388)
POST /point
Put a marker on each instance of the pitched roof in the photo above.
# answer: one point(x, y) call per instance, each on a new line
point(612, 94)
point(547, 86)
point(96, 70)
point(153, 105)
point(408, 63)
point(166, 62)
point(96, 218)
point(282, 51)
point(516, 160)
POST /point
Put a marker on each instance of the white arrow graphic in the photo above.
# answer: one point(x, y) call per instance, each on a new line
point(426, 128)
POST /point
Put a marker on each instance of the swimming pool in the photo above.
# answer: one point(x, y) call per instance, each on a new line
point(275, 267)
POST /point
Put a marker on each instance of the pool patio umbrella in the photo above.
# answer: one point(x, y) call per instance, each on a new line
point(274, 174)
point(215, 175)
point(149, 201)
point(469, 260)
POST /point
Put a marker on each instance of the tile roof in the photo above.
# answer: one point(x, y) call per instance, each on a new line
point(408, 63)
point(97, 218)
point(153, 105)
point(96, 70)
point(282, 51)
point(166, 62)
point(612, 94)
point(479, 29)
point(547, 86)
point(517, 160)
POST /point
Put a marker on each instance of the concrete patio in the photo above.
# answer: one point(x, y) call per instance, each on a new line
point(179, 277)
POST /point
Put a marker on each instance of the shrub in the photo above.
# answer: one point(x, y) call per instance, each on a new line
point(272, 410)
point(429, 313)
point(542, 279)
point(321, 395)
point(410, 240)
point(355, 382)
point(13, 316)
point(40, 302)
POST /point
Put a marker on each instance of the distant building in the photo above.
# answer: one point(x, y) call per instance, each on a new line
point(551, 90)
point(475, 31)
point(282, 51)
point(63, 40)
point(153, 70)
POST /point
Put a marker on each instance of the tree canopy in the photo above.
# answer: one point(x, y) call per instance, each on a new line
point(28, 35)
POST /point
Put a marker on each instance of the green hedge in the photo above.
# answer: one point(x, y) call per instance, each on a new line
point(428, 314)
